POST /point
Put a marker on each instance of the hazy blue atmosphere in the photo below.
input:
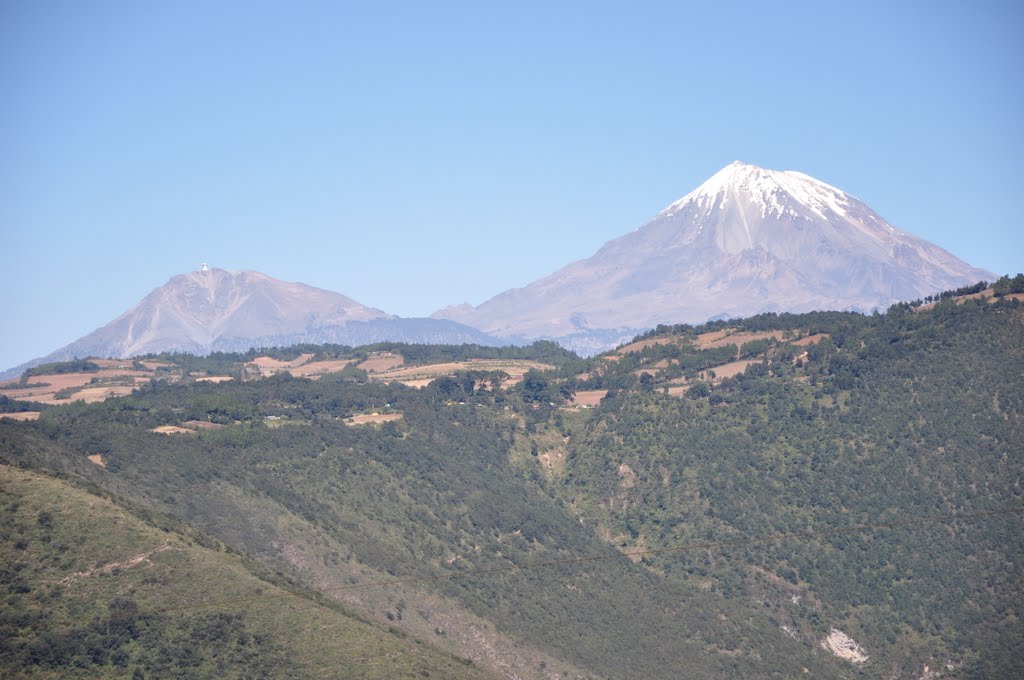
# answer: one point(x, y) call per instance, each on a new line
point(415, 155)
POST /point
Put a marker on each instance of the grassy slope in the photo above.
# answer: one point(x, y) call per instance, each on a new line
point(60, 620)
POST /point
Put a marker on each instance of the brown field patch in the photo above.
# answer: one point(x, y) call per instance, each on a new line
point(202, 425)
point(652, 369)
point(27, 394)
point(118, 382)
point(273, 365)
point(640, 345)
point(214, 378)
point(316, 369)
point(172, 429)
point(588, 397)
point(373, 418)
point(677, 390)
point(704, 340)
point(91, 395)
point(418, 382)
point(97, 458)
point(23, 416)
point(123, 364)
point(737, 339)
point(810, 339)
point(514, 367)
point(732, 369)
point(378, 363)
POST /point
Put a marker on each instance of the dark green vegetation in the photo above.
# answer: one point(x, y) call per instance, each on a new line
point(911, 414)
point(901, 416)
point(92, 590)
point(73, 366)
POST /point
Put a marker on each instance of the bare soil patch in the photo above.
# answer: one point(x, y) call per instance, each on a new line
point(732, 369)
point(172, 429)
point(810, 339)
point(96, 386)
point(737, 339)
point(640, 345)
point(704, 339)
point(133, 561)
point(202, 425)
point(97, 458)
point(23, 416)
point(378, 363)
point(91, 395)
point(316, 369)
point(274, 365)
point(589, 397)
point(373, 418)
point(123, 364)
point(418, 382)
point(514, 367)
point(214, 378)
point(843, 646)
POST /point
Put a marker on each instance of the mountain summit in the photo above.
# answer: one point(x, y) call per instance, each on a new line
point(212, 309)
point(746, 241)
point(219, 310)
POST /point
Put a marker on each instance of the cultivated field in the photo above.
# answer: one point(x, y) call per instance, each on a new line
point(728, 337)
point(588, 397)
point(419, 376)
point(379, 363)
point(642, 344)
point(373, 418)
point(23, 416)
point(95, 386)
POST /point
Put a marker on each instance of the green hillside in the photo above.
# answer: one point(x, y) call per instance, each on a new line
point(913, 414)
point(489, 522)
point(90, 590)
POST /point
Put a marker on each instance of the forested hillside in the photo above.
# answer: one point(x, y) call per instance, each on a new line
point(777, 484)
point(903, 416)
point(92, 590)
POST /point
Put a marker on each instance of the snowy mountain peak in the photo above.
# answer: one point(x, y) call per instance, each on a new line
point(748, 240)
point(774, 193)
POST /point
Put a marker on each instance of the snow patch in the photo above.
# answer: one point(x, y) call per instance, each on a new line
point(774, 192)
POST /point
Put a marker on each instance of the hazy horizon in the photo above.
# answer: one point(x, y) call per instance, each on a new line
point(417, 157)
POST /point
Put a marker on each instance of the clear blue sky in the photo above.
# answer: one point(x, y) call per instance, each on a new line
point(414, 155)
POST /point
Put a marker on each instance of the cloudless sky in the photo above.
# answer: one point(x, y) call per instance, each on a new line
point(413, 155)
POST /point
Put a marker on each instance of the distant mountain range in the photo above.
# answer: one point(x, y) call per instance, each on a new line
point(218, 310)
point(748, 240)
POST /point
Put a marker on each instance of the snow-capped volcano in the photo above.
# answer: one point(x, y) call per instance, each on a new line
point(741, 198)
point(768, 189)
point(747, 240)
